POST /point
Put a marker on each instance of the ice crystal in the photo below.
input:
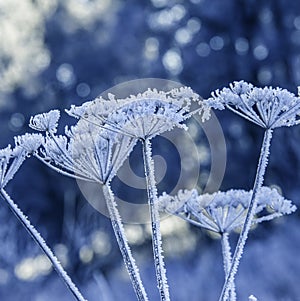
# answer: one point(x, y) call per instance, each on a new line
point(12, 158)
point(267, 107)
point(144, 115)
point(86, 152)
point(223, 212)
point(45, 122)
point(29, 142)
point(90, 152)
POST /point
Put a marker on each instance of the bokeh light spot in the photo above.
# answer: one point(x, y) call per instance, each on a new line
point(203, 49)
point(241, 46)
point(172, 62)
point(260, 52)
point(83, 90)
point(216, 43)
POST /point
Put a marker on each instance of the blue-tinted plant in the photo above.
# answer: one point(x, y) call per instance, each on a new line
point(11, 160)
point(269, 108)
point(142, 117)
point(225, 212)
point(91, 153)
point(103, 137)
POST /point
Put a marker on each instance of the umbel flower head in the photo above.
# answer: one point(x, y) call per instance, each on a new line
point(144, 115)
point(12, 158)
point(267, 107)
point(86, 151)
point(45, 122)
point(223, 212)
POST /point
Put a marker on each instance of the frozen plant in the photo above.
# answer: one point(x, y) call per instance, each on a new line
point(11, 160)
point(105, 133)
point(268, 108)
point(90, 153)
point(144, 116)
point(225, 212)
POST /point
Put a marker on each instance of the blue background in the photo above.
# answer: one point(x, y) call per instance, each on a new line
point(57, 53)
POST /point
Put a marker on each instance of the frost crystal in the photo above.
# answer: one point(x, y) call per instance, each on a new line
point(5, 155)
point(223, 212)
point(12, 159)
point(45, 122)
point(29, 142)
point(144, 115)
point(267, 107)
point(86, 152)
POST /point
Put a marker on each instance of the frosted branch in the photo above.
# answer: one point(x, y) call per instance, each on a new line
point(227, 259)
point(42, 244)
point(123, 244)
point(160, 270)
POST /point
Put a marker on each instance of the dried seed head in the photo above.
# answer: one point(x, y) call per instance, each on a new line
point(225, 211)
point(267, 107)
point(45, 122)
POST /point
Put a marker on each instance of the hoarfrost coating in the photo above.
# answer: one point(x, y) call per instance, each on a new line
point(222, 212)
point(267, 107)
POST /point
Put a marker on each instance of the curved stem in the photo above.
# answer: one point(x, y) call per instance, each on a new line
point(160, 270)
point(123, 244)
point(42, 244)
point(260, 172)
point(227, 260)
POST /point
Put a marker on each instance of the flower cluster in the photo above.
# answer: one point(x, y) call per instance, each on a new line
point(267, 107)
point(144, 115)
point(85, 152)
point(45, 122)
point(12, 158)
point(223, 212)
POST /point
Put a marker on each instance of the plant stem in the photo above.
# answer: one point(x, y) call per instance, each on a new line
point(104, 288)
point(227, 260)
point(123, 244)
point(260, 172)
point(42, 244)
point(160, 270)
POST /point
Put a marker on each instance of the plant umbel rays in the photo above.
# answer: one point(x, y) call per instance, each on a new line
point(225, 212)
point(90, 153)
point(143, 117)
point(10, 162)
point(103, 137)
point(269, 108)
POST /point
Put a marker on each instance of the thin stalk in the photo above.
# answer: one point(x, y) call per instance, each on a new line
point(105, 290)
point(42, 244)
point(123, 244)
point(160, 270)
point(260, 172)
point(227, 260)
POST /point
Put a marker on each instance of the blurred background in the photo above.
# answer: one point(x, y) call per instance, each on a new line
point(54, 53)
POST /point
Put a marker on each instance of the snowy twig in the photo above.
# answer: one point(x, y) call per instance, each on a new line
point(42, 244)
point(155, 224)
point(227, 259)
point(123, 244)
point(262, 164)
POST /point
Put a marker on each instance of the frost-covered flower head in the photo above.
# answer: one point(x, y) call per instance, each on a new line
point(267, 107)
point(86, 151)
point(45, 122)
point(144, 115)
point(29, 142)
point(12, 158)
point(223, 212)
